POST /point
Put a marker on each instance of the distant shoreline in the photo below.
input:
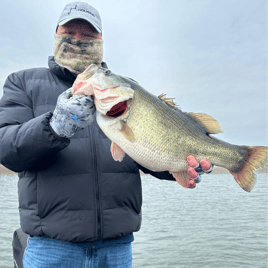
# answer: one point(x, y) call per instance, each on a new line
point(216, 170)
point(220, 170)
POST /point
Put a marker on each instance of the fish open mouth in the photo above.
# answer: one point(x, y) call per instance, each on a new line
point(118, 109)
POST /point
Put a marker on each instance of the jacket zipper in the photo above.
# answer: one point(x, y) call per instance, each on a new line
point(96, 177)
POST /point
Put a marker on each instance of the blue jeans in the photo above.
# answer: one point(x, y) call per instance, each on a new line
point(44, 252)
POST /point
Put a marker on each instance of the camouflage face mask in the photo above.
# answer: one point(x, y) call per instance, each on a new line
point(77, 55)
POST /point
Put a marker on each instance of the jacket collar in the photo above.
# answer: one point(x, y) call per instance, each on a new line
point(61, 72)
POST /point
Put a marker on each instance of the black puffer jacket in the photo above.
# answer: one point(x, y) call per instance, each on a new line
point(69, 189)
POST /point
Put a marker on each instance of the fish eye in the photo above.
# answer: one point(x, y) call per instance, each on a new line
point(107, 72)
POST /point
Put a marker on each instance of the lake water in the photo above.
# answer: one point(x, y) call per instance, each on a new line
point(216, 225)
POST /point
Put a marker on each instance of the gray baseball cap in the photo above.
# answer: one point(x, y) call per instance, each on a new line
point(81, 10)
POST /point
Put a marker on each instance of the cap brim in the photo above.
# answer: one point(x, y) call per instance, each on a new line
point(73, 18)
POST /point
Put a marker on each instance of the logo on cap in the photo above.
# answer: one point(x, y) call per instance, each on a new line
point(80, 9)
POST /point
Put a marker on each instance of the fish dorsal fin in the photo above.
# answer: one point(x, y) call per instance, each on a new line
point(127, 132)
point(168, 101)
point(211, 124)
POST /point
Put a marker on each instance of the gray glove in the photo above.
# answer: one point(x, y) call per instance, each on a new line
point(72, 113)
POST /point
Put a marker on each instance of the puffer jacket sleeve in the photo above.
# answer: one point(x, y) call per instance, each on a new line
point(163, 175)
point(24, 139)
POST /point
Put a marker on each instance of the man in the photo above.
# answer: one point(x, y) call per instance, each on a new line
point(77, 204)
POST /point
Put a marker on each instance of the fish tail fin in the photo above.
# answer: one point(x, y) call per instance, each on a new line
point(244, 176)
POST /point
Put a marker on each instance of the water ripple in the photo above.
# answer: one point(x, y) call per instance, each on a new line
point(215, 225)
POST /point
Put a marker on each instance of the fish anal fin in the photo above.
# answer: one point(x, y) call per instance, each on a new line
point(117, 153)
point(168, 101)
point(211, 124)
point(127, 132)
point(182, 178)
point(245, 176)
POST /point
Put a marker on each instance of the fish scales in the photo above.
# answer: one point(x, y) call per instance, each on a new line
point(160, 137)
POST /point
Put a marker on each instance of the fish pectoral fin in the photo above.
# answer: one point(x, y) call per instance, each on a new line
point(127, 132)
point(182, 178)
point(117, 153)
point(211, 124)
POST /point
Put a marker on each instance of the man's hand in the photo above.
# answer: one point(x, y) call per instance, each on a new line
point(72, 113)
point(196, 170)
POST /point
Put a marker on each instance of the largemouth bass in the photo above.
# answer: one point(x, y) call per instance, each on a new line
point(160, 136)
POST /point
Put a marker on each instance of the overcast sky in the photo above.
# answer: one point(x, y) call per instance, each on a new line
point(210, 55)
